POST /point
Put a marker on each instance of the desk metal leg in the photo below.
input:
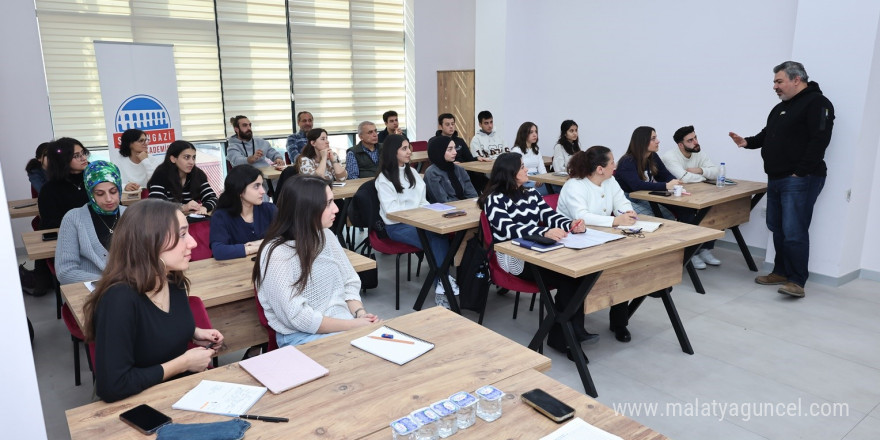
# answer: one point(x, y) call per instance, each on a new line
point(676, 322)
point(744, 248)
point(564, 319)
point(434, 270)
point(692, 272)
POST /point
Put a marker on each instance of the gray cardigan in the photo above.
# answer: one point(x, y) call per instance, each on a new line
point(79, 255)
point(440, 188)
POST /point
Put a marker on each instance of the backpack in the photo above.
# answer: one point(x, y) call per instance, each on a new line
point(473, 276)
point(364, 209)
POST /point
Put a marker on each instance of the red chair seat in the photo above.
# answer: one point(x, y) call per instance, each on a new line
point(201, 231)
point(390, 247)
point(261, 314)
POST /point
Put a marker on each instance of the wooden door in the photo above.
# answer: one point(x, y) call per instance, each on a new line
point(455, 94)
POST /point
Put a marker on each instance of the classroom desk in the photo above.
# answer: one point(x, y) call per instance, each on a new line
point(361, 395)
point(717, 208)
point(418, 156)
point(36, 248)
point(614, 272)
point(23, 208)
point(486, 167)
point(429, 220)
point(227, 291)
point(550, 179)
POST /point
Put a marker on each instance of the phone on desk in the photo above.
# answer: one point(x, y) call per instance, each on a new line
point(451, 214)
point(660, 193)
point(548, 405)
point(540, 239)
point(50, 236)
point(145, 419)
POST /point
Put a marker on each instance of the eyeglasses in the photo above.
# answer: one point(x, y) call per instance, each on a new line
point(81, 155)
point(635, 233)
point(143, 141)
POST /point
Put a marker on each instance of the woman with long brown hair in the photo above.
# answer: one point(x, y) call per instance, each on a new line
point(318, 159)
point(139, 315)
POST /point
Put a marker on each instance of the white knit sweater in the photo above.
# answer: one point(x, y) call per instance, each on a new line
point(333, 281)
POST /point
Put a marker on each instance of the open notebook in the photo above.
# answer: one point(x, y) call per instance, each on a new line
point(400, 349)
point(284, 368)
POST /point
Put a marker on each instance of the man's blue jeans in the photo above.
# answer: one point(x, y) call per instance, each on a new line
point(790, 202)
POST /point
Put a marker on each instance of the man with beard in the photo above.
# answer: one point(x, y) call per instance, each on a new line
point(688, 165)
point(244, 148)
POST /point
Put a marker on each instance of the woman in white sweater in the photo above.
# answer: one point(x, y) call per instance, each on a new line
point(305, 282)
point(593, 195)
point(566, 146)
point(400, 188)
point(136, 166)
point(526, 144)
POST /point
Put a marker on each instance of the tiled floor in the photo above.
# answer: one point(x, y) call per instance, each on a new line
point(766, 359)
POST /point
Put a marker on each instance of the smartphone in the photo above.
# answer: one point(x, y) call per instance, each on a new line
point(338, 184)
point(50, 236)
point(145, 419)
point(548, 405)
point(540, 239)
point(451, 214)
point(660, 193)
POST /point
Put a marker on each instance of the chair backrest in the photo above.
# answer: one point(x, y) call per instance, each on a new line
point(201, 231)
point(287, 158)
point(419, 145)
point(552, 200)
point(145, 192)
point(364, 210)
point(200, 314)
point(261, 315)
point(286, 174)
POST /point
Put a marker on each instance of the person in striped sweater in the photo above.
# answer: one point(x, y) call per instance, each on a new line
point(515, 211)
point(179, 180)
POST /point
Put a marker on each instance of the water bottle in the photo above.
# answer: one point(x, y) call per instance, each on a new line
point(722, 172)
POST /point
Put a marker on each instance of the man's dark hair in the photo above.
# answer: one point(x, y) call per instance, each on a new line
point(444, 116)
point(388, 114)
point(234, 120)
point(483, 115)
point(679, 134)
point(793, 69)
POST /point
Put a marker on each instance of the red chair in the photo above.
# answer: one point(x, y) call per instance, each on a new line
point(76, 335)
point(200, 316)
point(287, 158)
point(273, 343)
point(419, 145)
point(145, 192)
point(501, 277)
point(388, 246)
point(552, 200)
point(201, 231)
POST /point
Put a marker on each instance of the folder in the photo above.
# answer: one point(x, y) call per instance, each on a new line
point(282, 369)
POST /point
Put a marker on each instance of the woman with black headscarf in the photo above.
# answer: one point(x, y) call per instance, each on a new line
point(446, 181)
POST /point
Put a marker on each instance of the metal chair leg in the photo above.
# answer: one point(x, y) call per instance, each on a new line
point(516, 305)
point(532, 305)
point(397, 284)
point(76, 377)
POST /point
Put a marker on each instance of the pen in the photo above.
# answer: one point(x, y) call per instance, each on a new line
point(391, 340)
point(265, 418)
point(625, 213)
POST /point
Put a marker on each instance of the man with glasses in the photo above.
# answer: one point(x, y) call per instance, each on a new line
point(362, 160)
point(244, 148)
point(297, 141)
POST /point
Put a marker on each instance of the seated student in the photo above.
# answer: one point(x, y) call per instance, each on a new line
point(65, 189)
point(566, 146)
point(304, 280)
point(244, 148)
point(139, 316)
point(318, 159)
point(297, 141)
point(392, 125)
point(445, 181)
point(446, 127)
point(526, 144)
point(362, 160)
point(592, 194)
point(36, 168)
point(401, 188)
point(487, 143)
point(242, 217)
point(136, 165)
point(86, 231)
point(515, 211)
point(641, 169)
point(180, 180)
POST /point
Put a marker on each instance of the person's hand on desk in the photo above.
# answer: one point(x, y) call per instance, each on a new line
point(578, 226)
point(625, 219)
point(279, 163)
point(671, 184)
point(556, 234)
point(252, 247)
point(483, 159)
point(131, 186)
point(191, 207)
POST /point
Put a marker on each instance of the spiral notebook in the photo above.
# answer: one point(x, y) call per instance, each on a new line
point(400, 348)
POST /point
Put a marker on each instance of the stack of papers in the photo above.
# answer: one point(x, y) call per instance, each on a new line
point(578, 429)
point(589, 238)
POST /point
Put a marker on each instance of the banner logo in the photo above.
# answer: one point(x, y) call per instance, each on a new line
point(146, 113)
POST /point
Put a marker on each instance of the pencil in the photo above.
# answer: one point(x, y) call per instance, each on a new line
point(392, 340)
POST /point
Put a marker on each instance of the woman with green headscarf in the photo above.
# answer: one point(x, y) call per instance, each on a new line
point(86, 232)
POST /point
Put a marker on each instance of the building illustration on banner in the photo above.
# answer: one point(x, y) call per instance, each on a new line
point(146, 113)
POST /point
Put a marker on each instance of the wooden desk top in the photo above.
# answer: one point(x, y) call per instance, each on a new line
point(361, 395)
point(486, 167)
point(704, 195)
point(215, 282)
point(418, 156)
point(130, 198)
point(577, 263)
point(550, 178)
point(270, 172)
point(520, 421)
point(23, 211)
point(36, 248)
point(429, 220)
point(351, 186)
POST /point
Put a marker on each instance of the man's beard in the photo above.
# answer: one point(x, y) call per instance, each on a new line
point(245, 135)
point(696, 149)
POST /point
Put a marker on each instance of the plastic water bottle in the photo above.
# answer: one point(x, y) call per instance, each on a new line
point(722, 174)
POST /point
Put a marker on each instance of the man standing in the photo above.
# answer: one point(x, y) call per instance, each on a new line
point(297, 141)
point(487, 143)
point(793, 146)
point(243, 148)
point(362, 160)
point(392, 126)
point(688, 165)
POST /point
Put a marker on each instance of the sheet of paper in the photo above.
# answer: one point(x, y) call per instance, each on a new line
point(589, 238)
point(228, 399)
point(578, 429)
point(396, 352)
point(643, 225)
point(438, 207)
point(90, 285)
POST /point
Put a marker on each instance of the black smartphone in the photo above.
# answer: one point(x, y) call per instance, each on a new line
point(660, 193)
point(145, 419)
point(451, 214)
point(548, 405)
point(540, 239)
point(49, 236)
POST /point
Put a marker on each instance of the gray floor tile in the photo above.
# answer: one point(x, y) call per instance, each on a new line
point(867, 429)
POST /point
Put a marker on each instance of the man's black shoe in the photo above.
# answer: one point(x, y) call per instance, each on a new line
point(621, 334)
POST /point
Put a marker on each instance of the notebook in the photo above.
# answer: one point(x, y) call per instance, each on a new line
point(224, 398)
point(391, 348)
point(528, 244)
point(643, 225)
point(282, 369)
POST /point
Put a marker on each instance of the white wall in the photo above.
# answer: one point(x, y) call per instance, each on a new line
point(444, 34)
point(491, 75)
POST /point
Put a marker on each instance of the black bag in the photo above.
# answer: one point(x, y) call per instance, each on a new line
point(364, 209)
point(473, 276)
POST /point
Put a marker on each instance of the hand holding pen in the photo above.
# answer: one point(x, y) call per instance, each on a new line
point(578, 226)
point(625, 218)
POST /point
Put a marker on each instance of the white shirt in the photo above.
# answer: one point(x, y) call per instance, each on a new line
point(392, 201)
point(597, 205)
point(534, 163)
point(138, 173)
point(677, 164)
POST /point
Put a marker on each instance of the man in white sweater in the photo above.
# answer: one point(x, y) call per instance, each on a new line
point(688, 165)
point(487, 143)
